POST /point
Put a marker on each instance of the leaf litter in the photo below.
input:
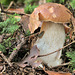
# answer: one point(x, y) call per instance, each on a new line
point(31, 60)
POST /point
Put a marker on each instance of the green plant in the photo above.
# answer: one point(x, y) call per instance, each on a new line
point(2, 48)
point(73, 3)
point(5, 2)
point(29, 9)
point(30, 5)
point(6, 43)
point(20, 1)
point(49, 0)
point(27, 33)
point(71, 55)
point(9, 26)
point(27, 2)
point(55, 1)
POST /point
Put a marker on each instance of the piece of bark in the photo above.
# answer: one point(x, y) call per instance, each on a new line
point(24, 22)
point(5, 59)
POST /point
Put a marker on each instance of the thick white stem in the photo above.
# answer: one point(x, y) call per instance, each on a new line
point(53, 39)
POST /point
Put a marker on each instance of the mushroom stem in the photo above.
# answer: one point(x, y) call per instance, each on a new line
point(53, 39)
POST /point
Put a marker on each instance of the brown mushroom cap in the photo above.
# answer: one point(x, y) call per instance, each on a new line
point(53, 12)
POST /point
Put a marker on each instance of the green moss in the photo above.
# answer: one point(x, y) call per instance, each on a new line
point(29, 9)
point(5, 44)
point(71, 56)
point(9, 26)
point(30, 5)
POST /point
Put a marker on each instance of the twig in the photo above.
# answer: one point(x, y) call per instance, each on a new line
point(62, 64)
point(3, 69)
point(56, 50)
point(12, 2)
point(6, 60)
point(1, 7)
point(1, 64)
point(4, 36)
point(13, 54)
point(20, 45)
point(32, 35)
point(66, 26)
point(12, 12)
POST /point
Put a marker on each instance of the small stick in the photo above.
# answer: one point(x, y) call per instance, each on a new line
point(12, 2)
point(13, 54)
point(56, 50)
point(6, 60)
point(13, 12)
point(19, 46)
point(1, 7)
point(1, 64)
point(3, 69)
point(62, 64)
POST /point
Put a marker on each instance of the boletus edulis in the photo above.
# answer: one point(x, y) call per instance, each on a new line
point(50, 17)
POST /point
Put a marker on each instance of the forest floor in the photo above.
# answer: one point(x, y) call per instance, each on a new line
point(8, 62)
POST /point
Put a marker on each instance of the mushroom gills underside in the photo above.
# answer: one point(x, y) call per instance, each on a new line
point(52, 40)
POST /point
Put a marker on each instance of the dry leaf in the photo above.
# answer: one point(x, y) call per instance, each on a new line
point(18, 10)
point(31, 59)
point(24, 22)
point(56, 73)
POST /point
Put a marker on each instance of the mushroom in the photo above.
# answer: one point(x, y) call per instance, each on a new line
point(50, 17)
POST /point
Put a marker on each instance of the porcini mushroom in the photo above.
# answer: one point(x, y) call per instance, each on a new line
point(50, 17)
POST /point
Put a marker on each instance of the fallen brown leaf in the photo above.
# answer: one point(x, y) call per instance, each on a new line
point(24, 22)
point(56, 73)
point(18, 10)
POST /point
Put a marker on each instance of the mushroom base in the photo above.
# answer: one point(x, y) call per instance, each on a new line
point(52, 40)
